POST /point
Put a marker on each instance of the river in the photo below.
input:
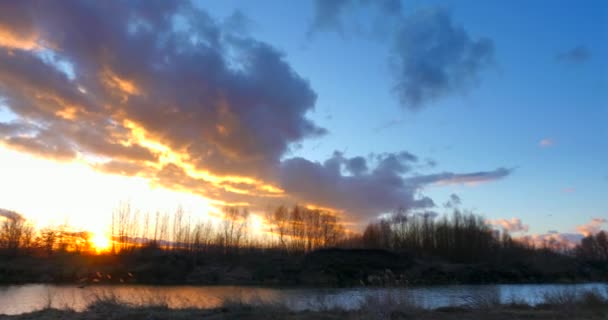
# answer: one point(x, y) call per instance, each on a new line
point(27, 298)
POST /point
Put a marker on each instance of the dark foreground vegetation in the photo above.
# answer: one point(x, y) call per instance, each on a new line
point(559, 305)
point(299, 247)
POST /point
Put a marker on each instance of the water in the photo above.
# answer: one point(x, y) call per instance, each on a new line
point(28, 298)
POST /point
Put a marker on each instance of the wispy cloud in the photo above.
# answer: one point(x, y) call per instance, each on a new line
point(576, 55)
point(471, 179)
point(545, 143)
point(569, 190)
point(340, 15)
point(510, 225)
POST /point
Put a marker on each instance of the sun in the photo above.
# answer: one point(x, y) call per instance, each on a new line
point(100, 242)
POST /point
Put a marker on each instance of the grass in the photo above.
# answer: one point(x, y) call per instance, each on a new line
point(391, 306)
point(571, 303)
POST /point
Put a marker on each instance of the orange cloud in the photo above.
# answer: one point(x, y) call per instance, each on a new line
point(13, 41)
point(126, 86)
point(168, 156)
point(510, 225)
point(592, 227)
point(552, 240)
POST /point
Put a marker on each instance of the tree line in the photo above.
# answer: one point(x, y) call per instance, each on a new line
point(594, 247)
point(295, 229)
point(17, 235)
point(460, 236)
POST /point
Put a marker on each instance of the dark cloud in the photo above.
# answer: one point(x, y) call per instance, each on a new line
point(453, 202)
point(382, 188)
point(576, 55)
point(465, 178)
point(238, 23)
point(356, 166)
point(30, 138)
point(229, 101)
point(433, 58)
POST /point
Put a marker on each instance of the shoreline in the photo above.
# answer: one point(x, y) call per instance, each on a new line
point(589, 305)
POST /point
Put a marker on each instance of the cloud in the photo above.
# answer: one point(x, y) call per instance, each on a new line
point(592, 227)
point(136, 68)
point(433, 58)
point(453, 202)
point(552, 240)
point(576, 55)
point(327, 15)
point(163, 91)
point(24, 37)
point(385, 185)
point(545, 143)
point(475, 178)
point(335, 15)
point(11, 215)
point(510, 225)
point(238, 23)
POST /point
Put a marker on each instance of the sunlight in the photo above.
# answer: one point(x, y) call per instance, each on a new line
point(100, 242)
point(52, 193)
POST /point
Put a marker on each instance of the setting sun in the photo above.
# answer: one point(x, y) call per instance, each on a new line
point(100, 242)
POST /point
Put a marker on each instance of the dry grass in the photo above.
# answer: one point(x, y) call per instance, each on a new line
point(571, 303)
point(392, 306)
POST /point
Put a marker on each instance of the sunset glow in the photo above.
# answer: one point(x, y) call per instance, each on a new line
point(76, 194)
point(101, 242)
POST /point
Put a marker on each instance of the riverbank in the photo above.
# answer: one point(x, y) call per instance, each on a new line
point(560, 305)
point(323, 268)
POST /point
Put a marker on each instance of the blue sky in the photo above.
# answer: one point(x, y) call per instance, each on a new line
point(526, 96)
point(546, 79)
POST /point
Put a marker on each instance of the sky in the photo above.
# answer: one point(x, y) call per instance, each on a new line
point(361, 107)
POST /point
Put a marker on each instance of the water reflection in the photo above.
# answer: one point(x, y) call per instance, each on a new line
point(27, 298)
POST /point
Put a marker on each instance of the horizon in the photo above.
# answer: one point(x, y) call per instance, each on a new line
point(359, 108)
